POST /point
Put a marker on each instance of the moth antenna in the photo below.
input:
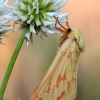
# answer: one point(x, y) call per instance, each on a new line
point(69, 29)
point(67, 21)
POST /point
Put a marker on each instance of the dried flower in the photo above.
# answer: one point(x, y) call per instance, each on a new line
point(4, 13)
point(38, 16)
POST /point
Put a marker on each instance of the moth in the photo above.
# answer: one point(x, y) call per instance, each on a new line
point(60, 81)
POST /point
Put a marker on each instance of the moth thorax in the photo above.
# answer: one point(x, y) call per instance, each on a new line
point(77, 34)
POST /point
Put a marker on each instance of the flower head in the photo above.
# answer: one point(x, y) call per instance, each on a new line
point(3, 20)
point(38, 16)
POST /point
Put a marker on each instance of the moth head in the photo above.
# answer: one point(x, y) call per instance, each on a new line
point(70, 33)
point(77, 34)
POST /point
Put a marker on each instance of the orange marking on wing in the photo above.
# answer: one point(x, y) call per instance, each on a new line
point(61, 96)
point(35, 96)
point(59, 61)
point(40, 98)
point(51, 75)
point(48, 87)
point(69, 55)
point(60, 78)
point(73, 79)
point(63, 54)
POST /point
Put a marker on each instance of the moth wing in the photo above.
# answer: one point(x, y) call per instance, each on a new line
point(59, 82)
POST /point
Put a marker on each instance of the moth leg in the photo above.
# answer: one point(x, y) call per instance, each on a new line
point(60, 24)
point(62, 31)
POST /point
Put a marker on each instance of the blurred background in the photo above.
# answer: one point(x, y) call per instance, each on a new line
point(34, 60)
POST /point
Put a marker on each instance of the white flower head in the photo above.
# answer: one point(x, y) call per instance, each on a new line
point(38, 16)
point(3, 20)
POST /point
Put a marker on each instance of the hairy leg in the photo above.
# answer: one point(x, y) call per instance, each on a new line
point(60, 24)
point(60, 30)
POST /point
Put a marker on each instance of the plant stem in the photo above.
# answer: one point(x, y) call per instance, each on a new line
point(11, 63)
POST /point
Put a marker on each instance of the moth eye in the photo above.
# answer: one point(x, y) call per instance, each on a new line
point(69, 30)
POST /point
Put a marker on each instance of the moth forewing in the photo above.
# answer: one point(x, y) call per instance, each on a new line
point(57, 60)
point(60, 81)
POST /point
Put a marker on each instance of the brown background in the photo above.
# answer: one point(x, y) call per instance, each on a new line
point(34, 60)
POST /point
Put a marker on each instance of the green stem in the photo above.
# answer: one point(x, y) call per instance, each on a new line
point(11, 63)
